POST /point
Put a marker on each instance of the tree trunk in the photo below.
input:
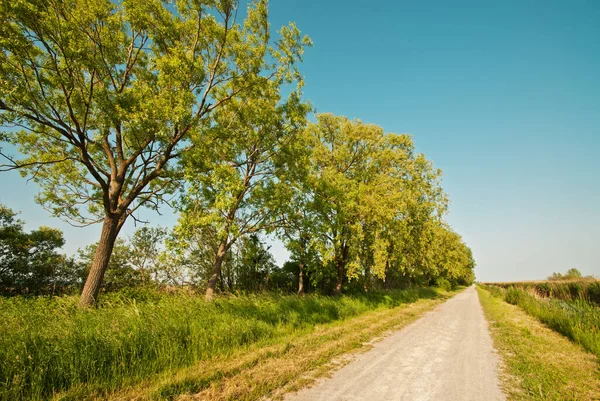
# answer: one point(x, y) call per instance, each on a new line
point(340, 278)
point(301, 279)
point(387, 279)
point(221, 281)
point(341, 271)
point(229, 278)
point(110, 231)
point(367, 283)
point(212, 282)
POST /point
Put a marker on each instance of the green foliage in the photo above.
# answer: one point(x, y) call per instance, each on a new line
point(587, 289)
point(444, 284)
point(144, 260)
point(121, 273)
point(236, 167)
point(145, 252)
point(571, 274)
point(372, 208)
point(109, 91)
point(49, 346)
point(30, 263)
point(254, 265)
point(109, 95)
point(513, 296)
point(121, 103)
point(285, 279)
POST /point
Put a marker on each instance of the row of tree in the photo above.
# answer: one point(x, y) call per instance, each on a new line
point(122, 105)
point(32, 264)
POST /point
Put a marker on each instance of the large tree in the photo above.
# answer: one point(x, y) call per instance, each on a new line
point(104, 96)
point(342, 158)
point(365, 199)
point(233, 191)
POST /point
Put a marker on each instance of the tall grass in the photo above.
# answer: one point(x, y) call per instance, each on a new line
point(570, 290)
point(49, 346)
point(577, 318)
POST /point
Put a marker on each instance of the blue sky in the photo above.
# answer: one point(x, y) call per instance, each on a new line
point(503, 96)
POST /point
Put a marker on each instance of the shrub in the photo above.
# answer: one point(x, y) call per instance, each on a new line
point(513, 296)
point(444, 284)
point(593, 292)
point(544, 289)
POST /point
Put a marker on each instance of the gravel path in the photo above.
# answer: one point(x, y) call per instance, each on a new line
point(446, 355)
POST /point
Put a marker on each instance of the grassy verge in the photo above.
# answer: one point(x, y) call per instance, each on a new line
point(587, 289)
point(540, 364)
point(164, 346)
point(577, 318)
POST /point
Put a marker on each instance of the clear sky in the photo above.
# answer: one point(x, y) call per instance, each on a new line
point(503, 96)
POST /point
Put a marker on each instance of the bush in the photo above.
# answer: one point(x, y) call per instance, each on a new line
point(497, 292)
point(513, 296)
point(544, 289)
point(575, 290)
point(593, 292)
point(443, 284)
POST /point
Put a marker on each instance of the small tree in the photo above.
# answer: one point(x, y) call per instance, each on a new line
point(571, 274)
point(145, 246)
point(120, 273)
point(29, 262)
point(234, 190)
point(254, 265)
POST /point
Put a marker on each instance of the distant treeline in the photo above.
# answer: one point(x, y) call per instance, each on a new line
point(568, 307)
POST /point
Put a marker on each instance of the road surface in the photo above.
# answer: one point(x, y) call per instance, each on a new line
point(447, 355)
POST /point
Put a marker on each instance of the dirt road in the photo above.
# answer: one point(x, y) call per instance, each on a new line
point(447, 355)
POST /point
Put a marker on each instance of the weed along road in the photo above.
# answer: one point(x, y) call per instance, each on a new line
point(446, 355)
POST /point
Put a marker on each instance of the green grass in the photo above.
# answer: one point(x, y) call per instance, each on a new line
point(578, 319)
point(587, 289)
point(50, 347)
point(538, 363)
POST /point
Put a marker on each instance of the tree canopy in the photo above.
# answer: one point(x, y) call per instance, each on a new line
point(117, 105)
point(107, 95)
point(30, 263)
point(571, 274)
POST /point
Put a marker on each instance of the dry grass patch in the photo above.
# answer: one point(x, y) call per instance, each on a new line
point(539, 364)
